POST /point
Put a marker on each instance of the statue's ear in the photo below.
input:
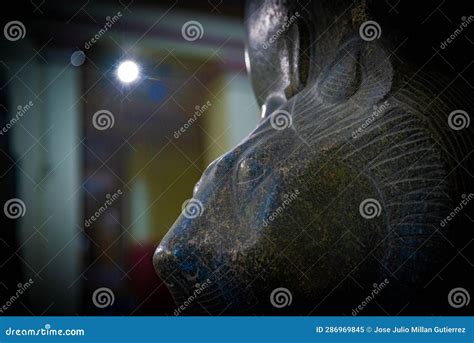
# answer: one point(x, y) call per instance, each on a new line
point(294, 50)
point(297, 44)
point(361, 72)
point(278, 53)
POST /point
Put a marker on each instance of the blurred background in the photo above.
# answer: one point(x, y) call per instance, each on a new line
point(93, 171)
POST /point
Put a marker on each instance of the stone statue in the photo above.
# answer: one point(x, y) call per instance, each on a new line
point(338, 202)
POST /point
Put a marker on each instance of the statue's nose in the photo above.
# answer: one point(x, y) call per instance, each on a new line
point(165, 262)
point(178, 266)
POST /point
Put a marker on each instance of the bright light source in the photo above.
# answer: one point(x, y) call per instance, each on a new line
point(127, 71)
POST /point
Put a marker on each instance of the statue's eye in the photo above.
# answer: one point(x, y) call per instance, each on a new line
point(250, 170)
point(215, 172)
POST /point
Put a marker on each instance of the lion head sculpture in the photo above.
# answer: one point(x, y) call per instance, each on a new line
point(342, 189)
